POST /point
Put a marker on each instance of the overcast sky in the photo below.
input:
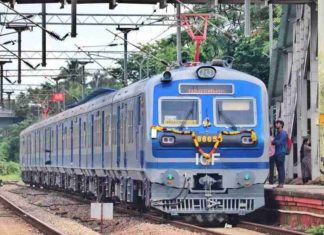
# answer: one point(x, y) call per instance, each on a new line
point(87, 35)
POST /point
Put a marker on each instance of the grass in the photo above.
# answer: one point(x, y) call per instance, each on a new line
point(10, 177)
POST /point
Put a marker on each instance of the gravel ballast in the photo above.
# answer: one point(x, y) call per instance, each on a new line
point(71, 216)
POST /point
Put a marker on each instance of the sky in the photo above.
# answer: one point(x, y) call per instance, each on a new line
point(87, 35)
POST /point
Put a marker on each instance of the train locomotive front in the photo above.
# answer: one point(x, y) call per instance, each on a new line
point(192, 141)
point(208, 139)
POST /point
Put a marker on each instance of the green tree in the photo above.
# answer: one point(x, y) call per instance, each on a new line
point(225, 38)
point(9, 140)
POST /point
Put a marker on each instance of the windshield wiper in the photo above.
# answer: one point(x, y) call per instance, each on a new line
point(186, 118)
point(227, 120)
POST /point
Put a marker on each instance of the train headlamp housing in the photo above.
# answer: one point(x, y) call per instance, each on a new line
point(171, 178)
point(246, 178)
point(166, 77)
point(167, 140)
point(206, 72)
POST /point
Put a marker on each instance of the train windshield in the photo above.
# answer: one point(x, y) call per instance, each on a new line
point(234, 112)
point(179, 112)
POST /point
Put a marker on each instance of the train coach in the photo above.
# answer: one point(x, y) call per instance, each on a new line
point(192, 141)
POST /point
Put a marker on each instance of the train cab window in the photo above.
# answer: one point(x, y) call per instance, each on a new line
point(179, 111)
point(234, 112)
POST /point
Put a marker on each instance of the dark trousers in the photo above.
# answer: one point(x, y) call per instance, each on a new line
point(271, 169)
point(280, 164)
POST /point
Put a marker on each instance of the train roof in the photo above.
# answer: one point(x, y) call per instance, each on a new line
point(181, 73)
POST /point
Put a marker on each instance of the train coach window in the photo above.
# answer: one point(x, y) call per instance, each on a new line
point(179, 111)
point(238, 112)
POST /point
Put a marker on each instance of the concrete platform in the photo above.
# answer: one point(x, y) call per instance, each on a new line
point(298, 206)
point(307, 191)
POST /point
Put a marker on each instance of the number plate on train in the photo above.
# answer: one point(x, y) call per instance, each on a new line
point(207, 138)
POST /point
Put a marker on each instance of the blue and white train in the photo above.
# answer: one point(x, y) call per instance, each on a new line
point(191, 141)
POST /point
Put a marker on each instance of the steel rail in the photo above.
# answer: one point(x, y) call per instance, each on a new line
point(128, 209)
point(268, 229)
point(242, 224)
point(159, 219)
point(41, 226)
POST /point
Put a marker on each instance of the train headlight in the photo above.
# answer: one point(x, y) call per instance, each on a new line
point(247, 140)
point(170, 178)
point(167, 140)
point(166, 77)
point(206, 72)
point(245, 178)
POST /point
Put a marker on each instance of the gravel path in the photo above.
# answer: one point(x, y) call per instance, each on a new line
point(10, 224)
point(64, 225)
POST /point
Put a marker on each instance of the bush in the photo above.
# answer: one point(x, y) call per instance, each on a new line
point(3, 168)
point(9, 168)
point(13, 168)
point(318, 230)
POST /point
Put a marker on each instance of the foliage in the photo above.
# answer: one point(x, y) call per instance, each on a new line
point(9, 168)
point(225, 37)
point(318, 230)
point(12, 177)
point(9, 141)
point(30, 104)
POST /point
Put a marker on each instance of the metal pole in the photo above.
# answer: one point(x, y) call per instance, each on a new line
point(44, 34)
point(9, 100)
point(83, 81)
point(320, 8)
point(19, 55)
point(1, 86)
point(179, 59)
point(58, 103)
point(270, 30)
point(125, 31)
point(125, 58)
point(74, 18)
point(147, 68)
point(247, 18)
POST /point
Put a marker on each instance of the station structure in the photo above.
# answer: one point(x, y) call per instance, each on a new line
point(296, 82)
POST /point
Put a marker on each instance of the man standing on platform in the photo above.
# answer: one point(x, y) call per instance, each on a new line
point(280, 143)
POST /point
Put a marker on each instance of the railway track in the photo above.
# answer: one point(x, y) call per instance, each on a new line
point(36, 223)
point(213, 231)
point(268, 229)
point(158, 218)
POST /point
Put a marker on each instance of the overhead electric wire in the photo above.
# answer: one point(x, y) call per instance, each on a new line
point(107, 45)
point(154, 11)
point(153, 39)
point(5, 18)
point(25, 62)
point(51, 33)
point(139, 26)
point(142, 50)
point(79, 48)
point(23, 84)
point(5, 34)
point(106, 57)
